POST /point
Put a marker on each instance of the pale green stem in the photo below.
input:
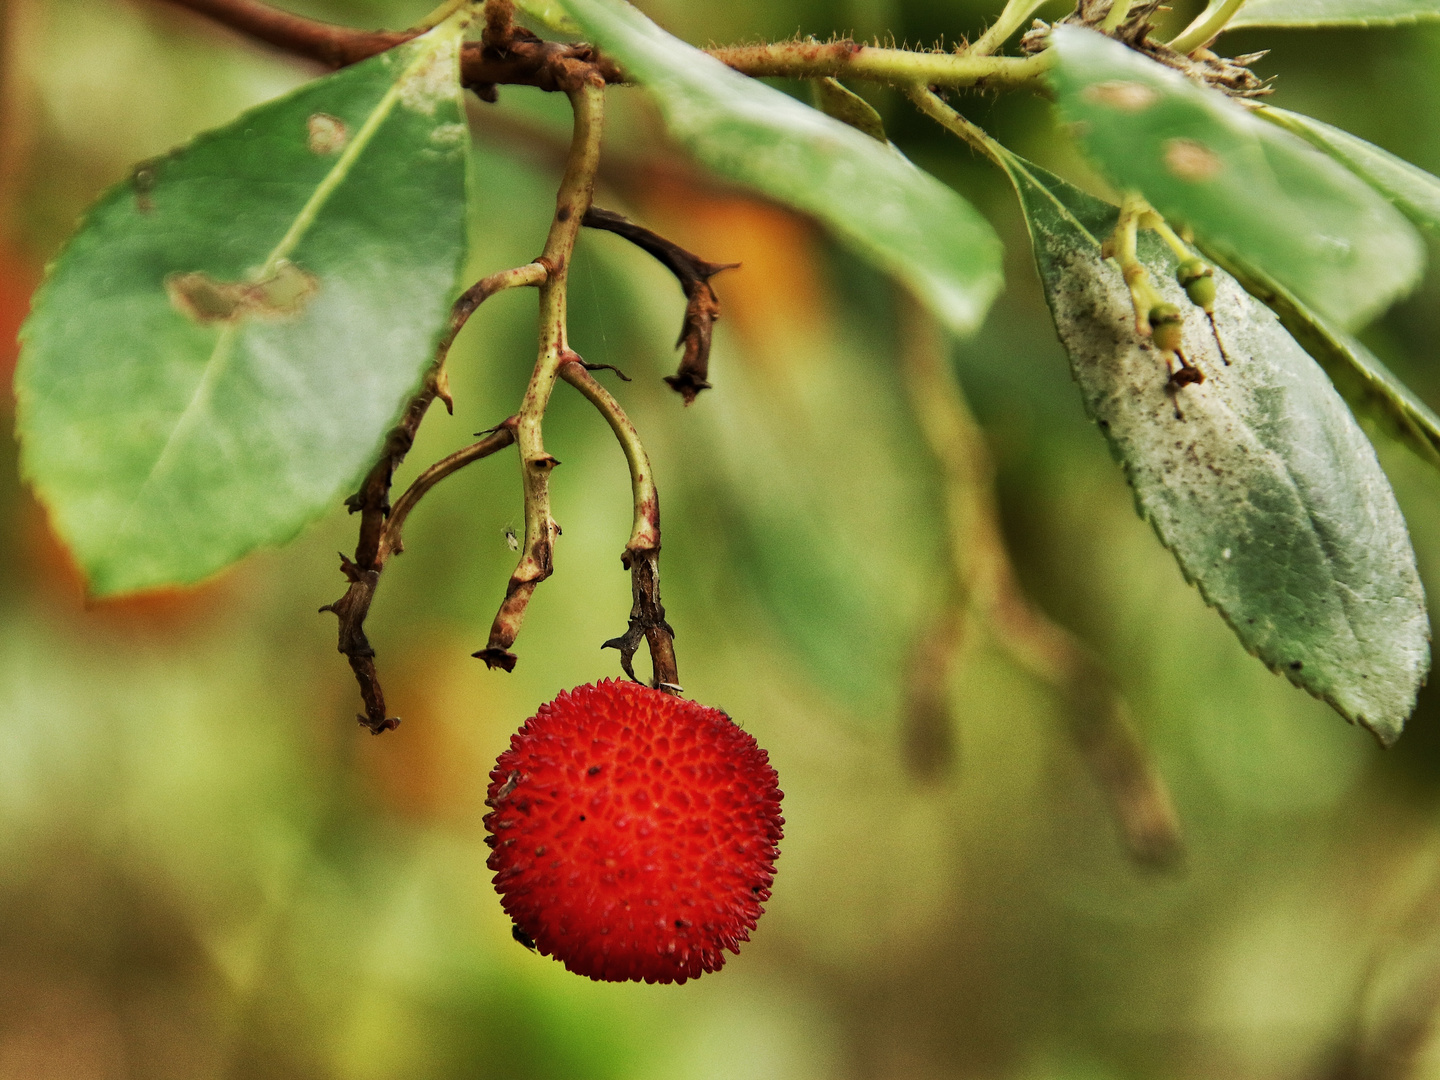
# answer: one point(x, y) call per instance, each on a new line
point(1206, 27)
point(642, 553)
point(1011, 19)
point(1158, 225)
point(645, 530)
point(1122, 246)
point(895, 67)
point(571, 202)
point(1115, 17)
point(573, 199)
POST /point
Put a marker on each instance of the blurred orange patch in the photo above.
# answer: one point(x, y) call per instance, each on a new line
point(18, 279)
point(776, 294)
point(432, 767)
point(49, 564)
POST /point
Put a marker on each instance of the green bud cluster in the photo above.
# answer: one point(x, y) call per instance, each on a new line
point(1197, 278)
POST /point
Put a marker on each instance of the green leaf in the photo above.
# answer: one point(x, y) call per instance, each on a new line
point(1301, 13)
point(1362, 379)
point(222, 346)
point(1415, 192)
point(834, 99)
point(1248, 188)
point(904, 220)
point(1258, 479)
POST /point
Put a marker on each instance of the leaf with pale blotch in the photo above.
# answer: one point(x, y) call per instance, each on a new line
point(1362, 379)
point(874, 200)
point(1303, 13)
point(1257, 479)
point(1246, 187)
point(218, 353)
point(1415, 192)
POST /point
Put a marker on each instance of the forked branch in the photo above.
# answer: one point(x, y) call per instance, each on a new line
point(380, 526)
point(536, 557)
point(354, 606)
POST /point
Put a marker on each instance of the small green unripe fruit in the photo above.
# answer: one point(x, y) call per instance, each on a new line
point(1166, 325)
point(1197, 278)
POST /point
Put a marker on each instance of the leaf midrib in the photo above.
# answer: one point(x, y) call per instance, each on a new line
point(226, 338)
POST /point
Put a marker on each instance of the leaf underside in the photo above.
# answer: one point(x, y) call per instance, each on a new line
point(220, 349)
point(1258, 479)
point(1247, 187)
point(1303, 13)
point(902, 219)
point(1358, 374)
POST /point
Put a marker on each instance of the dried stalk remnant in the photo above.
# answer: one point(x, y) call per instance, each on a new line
point(380, 525)
point(702, 307)
point(642, 552)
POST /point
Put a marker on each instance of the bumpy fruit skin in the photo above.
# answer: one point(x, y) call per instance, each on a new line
point(634, 833)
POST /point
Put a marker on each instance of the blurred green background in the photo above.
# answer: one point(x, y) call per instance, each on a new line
point(208, 869)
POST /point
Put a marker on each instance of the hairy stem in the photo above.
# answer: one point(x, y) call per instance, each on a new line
point(573, 199)
point(987, 592)
point(894, 67)
point(558, 66)
point(642, 553)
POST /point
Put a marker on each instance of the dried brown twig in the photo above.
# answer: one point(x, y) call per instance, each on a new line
point(702, 306)
point(516, 57)
point(380, 525)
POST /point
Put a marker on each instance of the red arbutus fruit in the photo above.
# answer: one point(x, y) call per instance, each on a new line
point(634, 833)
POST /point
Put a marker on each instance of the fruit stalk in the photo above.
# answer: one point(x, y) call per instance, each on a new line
point(642, 553)
point(577, 188)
